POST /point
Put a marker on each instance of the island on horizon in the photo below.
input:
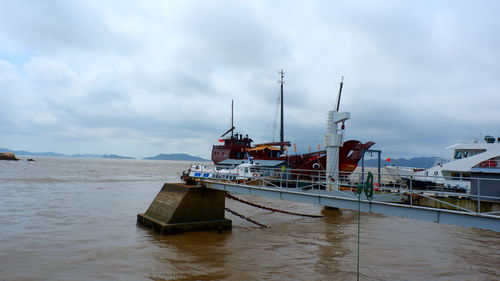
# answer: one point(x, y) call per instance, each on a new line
point(176, 157)
point(171, 156)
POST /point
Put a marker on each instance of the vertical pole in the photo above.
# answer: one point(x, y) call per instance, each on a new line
point(319, 179)
point(286, 178)
point(363, 166)
point(359, 223)
point(232, 123)
point(478, 196)
point(282, 134)
point(378, 170)
point(411, 190)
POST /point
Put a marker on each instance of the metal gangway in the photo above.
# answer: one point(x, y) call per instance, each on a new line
point(391, 196)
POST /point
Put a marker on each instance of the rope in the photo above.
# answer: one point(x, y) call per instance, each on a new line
point(367, 188)
point(270, 209)
point(245, 218)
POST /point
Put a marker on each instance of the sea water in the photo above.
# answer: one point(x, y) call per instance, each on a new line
point(75, 219)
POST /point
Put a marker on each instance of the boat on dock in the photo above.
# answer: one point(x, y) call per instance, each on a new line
point(238, 146)
point(240, 173)
point(455, 175)
point(397, 171)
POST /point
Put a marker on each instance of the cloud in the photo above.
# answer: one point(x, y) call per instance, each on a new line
point(159, 76)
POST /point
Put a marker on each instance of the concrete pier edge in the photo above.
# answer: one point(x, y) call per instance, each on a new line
point(180, 208)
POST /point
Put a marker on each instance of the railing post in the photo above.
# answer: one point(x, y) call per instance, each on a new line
point(411, 190)
point(363, 166)
point(286, 178)
point(378, 169)
point(319, 180)
point(478, 196)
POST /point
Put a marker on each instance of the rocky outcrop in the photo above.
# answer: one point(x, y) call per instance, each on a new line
point(8, 156)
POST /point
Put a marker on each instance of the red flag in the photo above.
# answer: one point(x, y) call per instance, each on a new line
point(221, 140)
point(388, 159)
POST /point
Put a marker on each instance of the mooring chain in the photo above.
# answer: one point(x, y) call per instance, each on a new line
point(245, 218)
point(270, 209)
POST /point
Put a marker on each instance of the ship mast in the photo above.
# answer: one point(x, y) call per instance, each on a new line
point(282, 134)
point(232, 125)
point(340, 93)
point(333, 141)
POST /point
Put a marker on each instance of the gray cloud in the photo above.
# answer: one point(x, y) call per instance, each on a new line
point(159, 76)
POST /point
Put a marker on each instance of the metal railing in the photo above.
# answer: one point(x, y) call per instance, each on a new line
point(475, 195)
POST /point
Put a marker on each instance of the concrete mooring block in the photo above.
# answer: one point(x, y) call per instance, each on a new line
point(179, 208)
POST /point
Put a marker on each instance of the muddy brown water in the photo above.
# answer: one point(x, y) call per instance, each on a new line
point(75, 219)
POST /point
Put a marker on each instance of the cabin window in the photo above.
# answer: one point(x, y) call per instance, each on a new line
point(458, 155)
point(455, 176)
point(466, 154)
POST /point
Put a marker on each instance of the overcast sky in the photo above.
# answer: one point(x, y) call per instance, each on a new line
point(140, 78)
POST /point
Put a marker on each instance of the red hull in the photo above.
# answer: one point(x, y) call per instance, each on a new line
point(239, 148)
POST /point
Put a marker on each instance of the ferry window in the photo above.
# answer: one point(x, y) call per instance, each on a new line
point(466, 154)
point(455, 176)
point(466, 176)
point(458, 155)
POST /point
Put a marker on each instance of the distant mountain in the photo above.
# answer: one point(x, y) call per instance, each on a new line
point(27, 153)
point(53, 154)
point(115, 156)
point(418, 162)
point(84, 155)
point(176, 157)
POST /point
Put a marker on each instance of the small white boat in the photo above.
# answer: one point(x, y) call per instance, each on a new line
point(398, 171)
point(242, 172)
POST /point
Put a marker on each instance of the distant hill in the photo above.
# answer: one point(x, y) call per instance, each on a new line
point(115, 156)
point(418, 162)
point(54, 154)
point(27, 153)
point(176, 157)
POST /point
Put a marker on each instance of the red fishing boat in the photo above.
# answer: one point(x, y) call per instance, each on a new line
point(237, 146)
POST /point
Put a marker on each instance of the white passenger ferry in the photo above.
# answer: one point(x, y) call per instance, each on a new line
point(456, 173)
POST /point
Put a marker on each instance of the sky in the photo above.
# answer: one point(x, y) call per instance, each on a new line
point(139, 78)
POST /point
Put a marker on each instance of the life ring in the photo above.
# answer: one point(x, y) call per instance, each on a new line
point(255, 175)
point(316, 166)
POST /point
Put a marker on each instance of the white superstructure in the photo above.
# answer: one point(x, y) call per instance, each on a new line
point(465, 156)
point(333, 142)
